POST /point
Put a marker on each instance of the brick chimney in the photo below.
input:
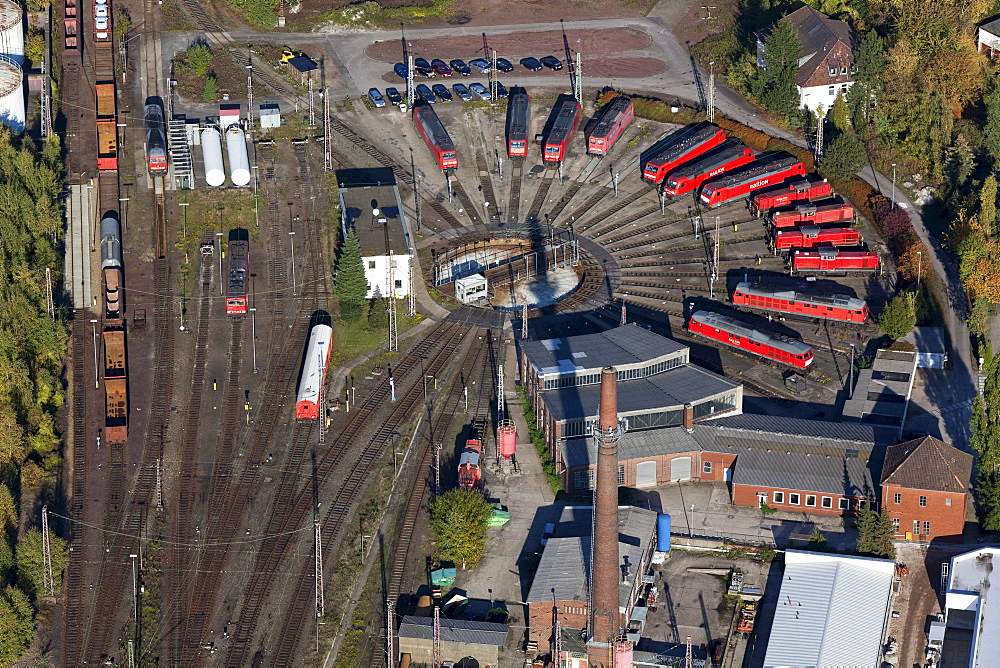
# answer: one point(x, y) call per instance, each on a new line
point(688, 418)
point(604, 567)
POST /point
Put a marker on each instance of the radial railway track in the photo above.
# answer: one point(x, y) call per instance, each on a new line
point(514, 201)
point(604, 217)
point(567, 197)
point(486, 183)
point(471, 209)
point(535, 210)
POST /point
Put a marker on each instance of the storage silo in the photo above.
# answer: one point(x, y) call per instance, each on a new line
point(11, 94)
point(211, 152)
point(12, 31)
point(239, 159)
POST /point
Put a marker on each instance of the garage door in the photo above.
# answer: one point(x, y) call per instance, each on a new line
point(680, 469)
point(645, 474)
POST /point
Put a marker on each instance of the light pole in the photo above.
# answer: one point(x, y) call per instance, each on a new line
point(291, 241)
point(135, 589)
point(124, 210)
point(253, 319)
point(97, 382)
point(850, 383)
point(256, 214)
point(222, 288)
point(920, 265)
point(893, 185)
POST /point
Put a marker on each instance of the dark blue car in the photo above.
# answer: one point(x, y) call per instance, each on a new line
point(400, 70)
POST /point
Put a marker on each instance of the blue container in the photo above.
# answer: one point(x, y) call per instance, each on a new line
point(663, 532)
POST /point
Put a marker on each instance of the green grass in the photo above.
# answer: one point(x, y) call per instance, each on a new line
point(354, 338)
point(548, 466)
point(371, 13)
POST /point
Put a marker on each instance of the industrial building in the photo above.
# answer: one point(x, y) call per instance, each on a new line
point(459, 639)
point(972, 610)
point(370, 204)
point(656, 381)
point(882, 393)
point(832, 610)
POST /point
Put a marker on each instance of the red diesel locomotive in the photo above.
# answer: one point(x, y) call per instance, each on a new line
point(738, 334)
point(518, 115)
point(765, 172)
point(813, 215)
point(732, 155)
point(616, 118)
point(789, 193)
point(828, 260)
point(768, 298)
point(678, 148)
point(238, 281)
point(812, 236)
point(437, 138)
point(565, 118)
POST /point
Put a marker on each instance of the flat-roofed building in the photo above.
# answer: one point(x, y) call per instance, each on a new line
point(882, 394)
point(972, 610)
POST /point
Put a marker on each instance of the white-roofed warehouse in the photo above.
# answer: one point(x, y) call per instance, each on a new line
point(832, 611)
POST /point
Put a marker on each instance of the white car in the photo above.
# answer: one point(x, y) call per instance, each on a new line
point(101, 11)
point(101, 27)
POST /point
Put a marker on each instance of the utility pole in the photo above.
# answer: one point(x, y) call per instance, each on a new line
point(48, 293)
point(312, 105)
point(850, 383)
point(437, 469)
point(159, 486)
point(500, 393)
point(524, 322)
point(390, 633)
point(557, 636)
point(410, 94)
point(391, 290)
point(48, 584)
point(318, 567)
point(715, 258)
point(327, 138)
point(688, 658)
point(437, 637)
point(624, 319)
point(614, 179)
point(711, 92)
point(250, 91)
point(818, 152)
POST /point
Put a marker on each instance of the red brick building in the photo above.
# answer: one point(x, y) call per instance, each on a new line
point(925, 488)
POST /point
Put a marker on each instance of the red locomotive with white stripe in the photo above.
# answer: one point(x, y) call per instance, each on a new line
point(616, 118)
point(738, 334)
point(732, 155)
point(770, 299)
point(828, 260)
point(678, 148)
point(812, 236)
point(789, 193)
point(811, 214)
point(743, 183)
point(435, 136)
point(565, 118)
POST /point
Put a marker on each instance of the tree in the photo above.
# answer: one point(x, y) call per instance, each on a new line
point(17, 622)
point(34, 46)
point(31, 566)
point(199, 60)
point(991, 132)
point(211, 90)
point(459, 519)
point(839, 114)
point(778, 91)
point(378, 315)
point(988, 203)
point(892, 221)
point(899, 316)
point(351, 284)
point(844, 156)
point(870, 59)
point(958, 162)
point(984, 438)
point(875, 532)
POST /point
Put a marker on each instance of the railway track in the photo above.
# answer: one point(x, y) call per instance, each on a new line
point(380, 156)
point(514, 201)
point(486, 183)
point(606, 215)
point(471, 209)
point(630, 220)
point(159, 196)
point(689, 247)
point(567, 197)
point(441, 210)
point(589, 205)
point(535, 209)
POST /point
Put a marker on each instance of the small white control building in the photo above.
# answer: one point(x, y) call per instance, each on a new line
point(471, 289)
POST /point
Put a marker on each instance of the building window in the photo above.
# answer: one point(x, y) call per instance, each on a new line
point(897, 498)
point(810, 500)
point(706, 467)
point(827, 502)
point(398, 283)
point(583, 480)
point(947, 502)
point(621, 474)
point(895, 526)
point(916, 527)
point(793, 499)
point(833, 91)
point(927, 528)
point(923, 501)
point(833, 71)
point(844, 504)
point(371, 264)
point(843, 70)
point(779, 497)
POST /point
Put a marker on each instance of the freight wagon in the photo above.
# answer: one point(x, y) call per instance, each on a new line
point(811, 214)
point(834, 261)
point(107, 127)
point(156, 139)
point(115, 383)
point(678, 148)
point(732, 155)
point(237, 282)
point(812, 236)
point(738, 334)
point(743, 183)
point(788, 194)
point(564, 119)
point(843, 308)
point(518, 117)
point(310, 394)
point(606, 132)
point(437, 138)
point(102, 21)
point(111, 268)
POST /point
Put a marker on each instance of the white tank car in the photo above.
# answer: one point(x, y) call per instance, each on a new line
point(239, 159)
point(111, 243)
point(313, 373)
point(211, 152)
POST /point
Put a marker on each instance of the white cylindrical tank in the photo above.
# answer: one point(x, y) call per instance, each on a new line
point(211, 153)
point(11, 94)
point(239, 159)
point(111, 243)
point(12, 31)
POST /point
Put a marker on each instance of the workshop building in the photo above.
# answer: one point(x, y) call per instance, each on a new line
point(460, 639)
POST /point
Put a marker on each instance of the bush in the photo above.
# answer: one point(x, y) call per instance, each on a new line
point(211, 90)
point(758, 141)
point(892, 222)
point(899, 316)
point(378, 315)
point(844, 156)
point(199, 59)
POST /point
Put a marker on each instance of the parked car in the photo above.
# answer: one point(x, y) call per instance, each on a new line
point(504, 65)
point(480, 91)
point(400, 70)
point(462, 91)
point(551, 62)
point(376, 97)
point(530, 63)
point(424, 92)
point(440, 67)
point(423, 67)
point(442, 92)
point(101, 11)
point(393, 96)
point(481, 65)
point(501, 91)
point(460, 67)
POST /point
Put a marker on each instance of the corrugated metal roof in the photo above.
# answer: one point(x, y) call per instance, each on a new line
point(789, 430)
point(454, 630)
point(809, 473)
point(618, 347)
point(669, 389)
point(633, 445)
point(831, 611)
